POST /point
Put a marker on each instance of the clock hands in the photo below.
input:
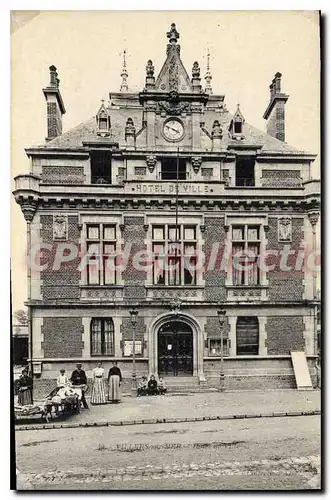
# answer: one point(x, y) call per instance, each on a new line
point(174, 129)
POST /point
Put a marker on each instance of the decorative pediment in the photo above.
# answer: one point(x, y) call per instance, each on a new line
point(173, 75)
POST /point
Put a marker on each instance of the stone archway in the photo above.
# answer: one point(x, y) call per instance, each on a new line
point(197, 360)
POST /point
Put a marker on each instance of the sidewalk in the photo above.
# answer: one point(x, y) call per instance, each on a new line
point(190, 407)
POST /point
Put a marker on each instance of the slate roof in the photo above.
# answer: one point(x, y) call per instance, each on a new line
point(87, 131)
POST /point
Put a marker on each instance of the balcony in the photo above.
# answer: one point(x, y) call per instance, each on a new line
point(245, 182)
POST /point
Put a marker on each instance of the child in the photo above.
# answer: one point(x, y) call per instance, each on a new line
point(162, 387)
point(152, 386)
point(142, 387)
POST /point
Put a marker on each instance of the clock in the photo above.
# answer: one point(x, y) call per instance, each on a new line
point(173, 130)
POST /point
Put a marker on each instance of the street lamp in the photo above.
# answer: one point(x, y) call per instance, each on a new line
point(221, 318)
point(134, 315)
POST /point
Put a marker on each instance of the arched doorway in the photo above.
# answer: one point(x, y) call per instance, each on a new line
point(175, 349)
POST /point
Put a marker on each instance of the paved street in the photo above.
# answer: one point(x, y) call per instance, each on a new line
point(265, 453)
point(200, 405)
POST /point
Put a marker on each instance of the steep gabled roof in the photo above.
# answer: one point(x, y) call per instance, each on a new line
point(87, 131)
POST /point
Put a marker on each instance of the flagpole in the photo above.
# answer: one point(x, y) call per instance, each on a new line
point(177, 175)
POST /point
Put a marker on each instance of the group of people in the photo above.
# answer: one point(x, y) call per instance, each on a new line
point(99, 394)
point(151, 387)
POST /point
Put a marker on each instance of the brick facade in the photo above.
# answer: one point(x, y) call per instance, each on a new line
point(213, 330)
point(62, 175)
point(285, 285)
point(54, 120)
point(281, 178)
point(214, 278)
point(127, 329)
point(134, 279)
point(63, 283)
point(62, 337)
point(285, 334)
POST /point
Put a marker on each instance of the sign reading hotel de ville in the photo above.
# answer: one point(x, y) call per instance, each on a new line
point(188, 188)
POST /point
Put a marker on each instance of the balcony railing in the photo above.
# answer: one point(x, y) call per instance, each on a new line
point(245, 182)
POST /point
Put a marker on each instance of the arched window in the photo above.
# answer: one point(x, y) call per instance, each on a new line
point(102, 337)
point(247, 335)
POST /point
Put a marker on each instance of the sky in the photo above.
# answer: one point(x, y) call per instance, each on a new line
point(247, 48)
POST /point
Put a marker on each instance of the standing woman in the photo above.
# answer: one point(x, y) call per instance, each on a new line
point(98, 396)
point(114, 382)
point(25, 388)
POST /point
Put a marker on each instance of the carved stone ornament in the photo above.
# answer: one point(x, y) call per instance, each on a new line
point(173, 34)
point(284, 229)
point(60, 227)
point(313, 217)
point(175, 306)
point(151, 162)
point(149, 68)
point(196, 108)
point(216, 131)
point(196, 163)
point(173, 74)
point(174, 108)
point(130, 128)
point(195, 70)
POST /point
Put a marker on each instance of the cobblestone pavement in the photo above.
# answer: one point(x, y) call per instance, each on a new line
point(200, 405)
point(280, 453)
point(307, 467)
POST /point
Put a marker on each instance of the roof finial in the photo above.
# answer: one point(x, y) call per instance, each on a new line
point(124, 75)
point(208, 76)
point(173, 34)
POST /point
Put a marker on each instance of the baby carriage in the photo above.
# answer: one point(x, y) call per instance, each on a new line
point(63, 400)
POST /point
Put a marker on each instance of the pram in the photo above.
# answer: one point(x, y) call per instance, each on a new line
point(63, 400)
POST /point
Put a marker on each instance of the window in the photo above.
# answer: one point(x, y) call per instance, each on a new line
point(174, 251)
point(169, 169)
point(102, 337)
point(214, 347)
point(245, 172)
point(100, 167)
point(238, 127)
point(247, 336)
point(101, 245)
point(245, 253)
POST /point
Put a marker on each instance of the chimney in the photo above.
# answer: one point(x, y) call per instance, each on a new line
point(275, 112)
point(55, 106)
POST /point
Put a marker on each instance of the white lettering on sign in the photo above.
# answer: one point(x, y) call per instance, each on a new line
point(169, 188)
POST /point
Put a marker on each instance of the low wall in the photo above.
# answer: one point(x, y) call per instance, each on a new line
point(251, 372)
point(241, 373)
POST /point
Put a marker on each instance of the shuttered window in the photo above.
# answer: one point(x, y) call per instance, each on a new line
point(247, 336)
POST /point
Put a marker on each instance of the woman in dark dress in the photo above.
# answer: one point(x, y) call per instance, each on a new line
point(25, 388)
point(114, 382)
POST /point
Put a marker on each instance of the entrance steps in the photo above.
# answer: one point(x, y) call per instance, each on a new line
point(183, 384)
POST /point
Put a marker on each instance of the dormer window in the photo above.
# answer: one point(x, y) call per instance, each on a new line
point(103, 122)
point(236, 125)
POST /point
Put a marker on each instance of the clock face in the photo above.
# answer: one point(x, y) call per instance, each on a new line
point(173, 130)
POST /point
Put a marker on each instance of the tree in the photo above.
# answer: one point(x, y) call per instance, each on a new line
point(21, 317)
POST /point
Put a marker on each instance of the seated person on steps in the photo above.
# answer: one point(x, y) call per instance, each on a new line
point(161, 386)
point(152, 386)
point(142, 387)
